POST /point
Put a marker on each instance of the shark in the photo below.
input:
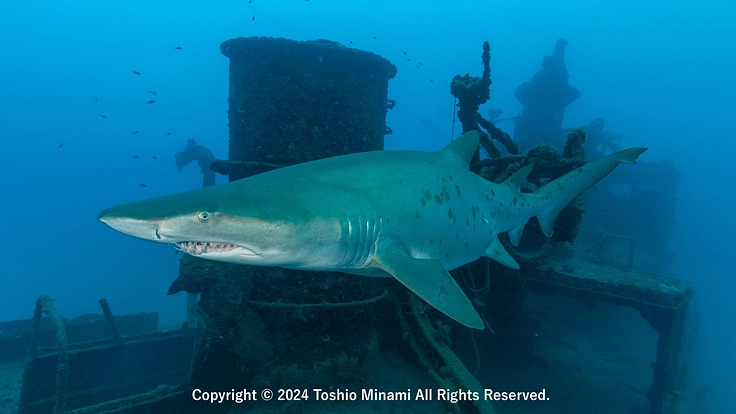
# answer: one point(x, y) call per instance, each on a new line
point(410, 215)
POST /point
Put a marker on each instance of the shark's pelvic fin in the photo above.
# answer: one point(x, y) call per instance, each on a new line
point(497, 252)
point(463, 147)
point(429, 279)
point(515, 235)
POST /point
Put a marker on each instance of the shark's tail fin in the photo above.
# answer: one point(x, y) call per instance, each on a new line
point(557, 194)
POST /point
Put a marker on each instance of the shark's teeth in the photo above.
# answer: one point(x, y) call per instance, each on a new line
point(198, 248)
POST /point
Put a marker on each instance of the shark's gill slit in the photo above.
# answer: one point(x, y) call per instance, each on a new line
point(360, 242)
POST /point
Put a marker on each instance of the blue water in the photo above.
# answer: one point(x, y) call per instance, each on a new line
point(660, 73)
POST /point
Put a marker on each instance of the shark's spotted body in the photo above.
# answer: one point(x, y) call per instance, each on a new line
point(407, 214)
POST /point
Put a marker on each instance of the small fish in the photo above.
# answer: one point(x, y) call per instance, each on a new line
point(95, 99)
point(155, 158)
point(102, 116)
point(417, 66)
point(408, 60)
point(136, 132)
point(253, 18)
point(351, 42)
point(142, 185)
point(151, 102)
point(250, 1)
point(61, 145)
point(178, 48)
point(168, 133)
point(431, 80)
point(421, 64)
point(136, 156)
point(403, 52)
point(374, 37)
point(153, 92)
point(136, 72)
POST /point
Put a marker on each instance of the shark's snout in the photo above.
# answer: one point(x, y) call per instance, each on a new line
point(141, 229)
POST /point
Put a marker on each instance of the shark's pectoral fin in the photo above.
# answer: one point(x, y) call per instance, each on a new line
point(430, 281)
point(497, 252)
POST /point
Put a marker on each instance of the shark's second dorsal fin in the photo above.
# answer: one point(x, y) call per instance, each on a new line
point(514, 182)
point(464, 146)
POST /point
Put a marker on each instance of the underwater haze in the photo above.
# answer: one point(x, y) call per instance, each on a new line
point(98, 96)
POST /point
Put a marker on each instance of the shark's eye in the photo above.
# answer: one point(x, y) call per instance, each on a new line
point(204, 216)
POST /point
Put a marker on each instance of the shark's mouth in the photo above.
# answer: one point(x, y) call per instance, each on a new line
point(199, 248)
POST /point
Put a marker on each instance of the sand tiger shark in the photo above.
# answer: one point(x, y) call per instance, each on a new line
point(410, 215)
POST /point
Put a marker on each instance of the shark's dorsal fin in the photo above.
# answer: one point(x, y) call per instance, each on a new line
point(463, 147)
point(430, 280)
point(497, 252)
point(514, 182)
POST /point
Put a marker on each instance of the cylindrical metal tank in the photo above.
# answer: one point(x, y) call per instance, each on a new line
point(292, 102)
